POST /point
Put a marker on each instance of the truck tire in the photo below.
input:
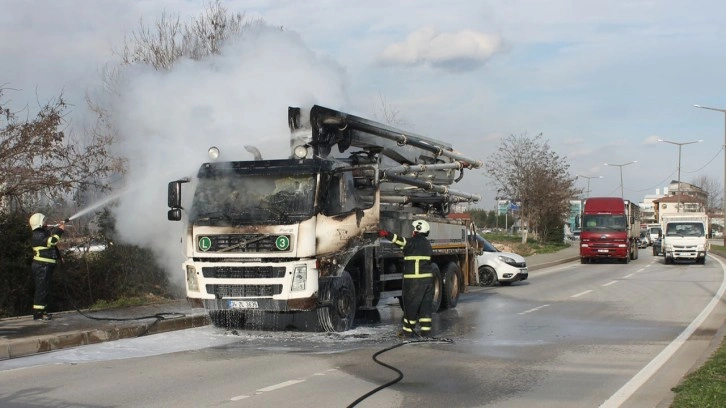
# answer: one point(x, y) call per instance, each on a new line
point(452, 278)
point(339, 304)
point(438, 288)
point(487, 276)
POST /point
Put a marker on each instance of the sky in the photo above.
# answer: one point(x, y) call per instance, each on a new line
point(602, 81)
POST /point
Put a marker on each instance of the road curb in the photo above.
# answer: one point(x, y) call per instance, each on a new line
point(51, 342)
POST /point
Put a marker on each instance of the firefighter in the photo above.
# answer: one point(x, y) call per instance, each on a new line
point(43, 240)
point(418, 283)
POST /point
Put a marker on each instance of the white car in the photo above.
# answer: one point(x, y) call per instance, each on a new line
point(495, 266)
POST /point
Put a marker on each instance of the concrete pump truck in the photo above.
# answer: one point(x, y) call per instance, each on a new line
point(300, 234)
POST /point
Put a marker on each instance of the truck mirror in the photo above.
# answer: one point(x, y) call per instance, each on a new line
point(174, 214)
point(174, 195)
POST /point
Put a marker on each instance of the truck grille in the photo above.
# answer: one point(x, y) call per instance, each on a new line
point(243, 272)
point(241, 243)
point(221, 291)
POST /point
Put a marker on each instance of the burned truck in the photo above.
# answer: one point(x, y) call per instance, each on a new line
point(300, 234)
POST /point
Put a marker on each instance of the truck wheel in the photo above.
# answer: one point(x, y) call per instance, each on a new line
point(339, 304)
point(487, 276)
point(452, 274)
point(438, 288)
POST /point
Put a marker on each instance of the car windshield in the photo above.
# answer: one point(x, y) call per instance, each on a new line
point(227, 198)
point(486, 245)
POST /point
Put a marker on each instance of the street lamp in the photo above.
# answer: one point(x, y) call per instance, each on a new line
point(588, 183)
point(680, 145)
point(621, 173)
point(723, 214)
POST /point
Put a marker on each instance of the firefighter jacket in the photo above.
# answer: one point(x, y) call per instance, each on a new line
point(416, 254)
point(44, 242)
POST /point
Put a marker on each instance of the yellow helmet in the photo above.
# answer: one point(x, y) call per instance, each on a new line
point(37, 220)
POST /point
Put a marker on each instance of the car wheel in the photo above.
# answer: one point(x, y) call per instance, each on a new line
point(487, 276)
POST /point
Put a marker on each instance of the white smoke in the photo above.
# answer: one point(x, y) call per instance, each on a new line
point(168, 120)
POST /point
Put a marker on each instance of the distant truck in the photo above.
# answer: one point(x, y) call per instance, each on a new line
point(610, 229)
point(654, 232)
point(685, 237)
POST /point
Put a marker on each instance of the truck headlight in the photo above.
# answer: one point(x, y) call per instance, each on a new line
point(192, 282)
point(299, 276)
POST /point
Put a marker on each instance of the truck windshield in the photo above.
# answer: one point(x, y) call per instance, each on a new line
point(228, 198)
point(685, 229)
point(603, 223)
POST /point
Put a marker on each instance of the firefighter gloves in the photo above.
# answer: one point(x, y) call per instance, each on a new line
point(383, 233)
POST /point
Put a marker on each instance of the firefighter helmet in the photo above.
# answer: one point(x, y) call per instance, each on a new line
point(420, 226)
point(37, 220)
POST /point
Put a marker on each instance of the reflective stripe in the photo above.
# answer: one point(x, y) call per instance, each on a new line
point(425, 328)
point(39, 258)
point(406, 329)
point(425, 320)
point(38, 307)
point(418, 275)
point(413, 322)
point(417, 258)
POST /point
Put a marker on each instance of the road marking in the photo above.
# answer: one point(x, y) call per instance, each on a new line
point(282, 385)
point(627, 390)
point(581, 294)
point(627, 276)
point(534, 309)
point(610, 283)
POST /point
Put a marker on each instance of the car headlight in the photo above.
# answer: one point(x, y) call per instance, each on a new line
point(507, 260)
point(299, 277)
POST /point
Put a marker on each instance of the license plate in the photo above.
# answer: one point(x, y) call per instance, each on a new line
point(243, 304)
point(602, 250)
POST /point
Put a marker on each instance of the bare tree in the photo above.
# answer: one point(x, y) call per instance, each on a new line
point(529, 173)
point(171, 40)
point(713, 189)
point(40, 162)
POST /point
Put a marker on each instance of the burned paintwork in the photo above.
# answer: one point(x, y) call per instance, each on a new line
point(300, 233)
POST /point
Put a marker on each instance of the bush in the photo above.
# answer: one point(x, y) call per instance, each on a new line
point(80, 279)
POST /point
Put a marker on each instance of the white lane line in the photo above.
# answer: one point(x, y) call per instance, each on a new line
point(610, 283)
point(534, 309)
point(627, 390)
point(283, 384)
point(581, 294)
point(280, 385)
point(627, 276)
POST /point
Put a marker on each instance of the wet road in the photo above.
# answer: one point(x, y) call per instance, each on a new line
point(571, 336)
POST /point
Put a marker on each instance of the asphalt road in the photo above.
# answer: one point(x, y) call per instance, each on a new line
point(572, 336)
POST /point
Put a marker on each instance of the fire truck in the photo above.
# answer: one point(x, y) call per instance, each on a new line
point(299, 234)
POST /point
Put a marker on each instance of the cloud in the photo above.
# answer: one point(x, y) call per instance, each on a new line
point(465, 50)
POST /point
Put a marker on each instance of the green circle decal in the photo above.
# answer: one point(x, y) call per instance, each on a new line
point(205, 243)
point(282, 242)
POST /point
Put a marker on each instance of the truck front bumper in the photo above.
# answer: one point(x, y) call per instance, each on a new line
point(685, 255)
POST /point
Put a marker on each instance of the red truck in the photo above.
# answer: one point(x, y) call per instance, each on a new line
point(610, 229)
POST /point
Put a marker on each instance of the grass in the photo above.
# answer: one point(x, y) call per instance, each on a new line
point(128, 302)
point(705, 387)
point(531, 247)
